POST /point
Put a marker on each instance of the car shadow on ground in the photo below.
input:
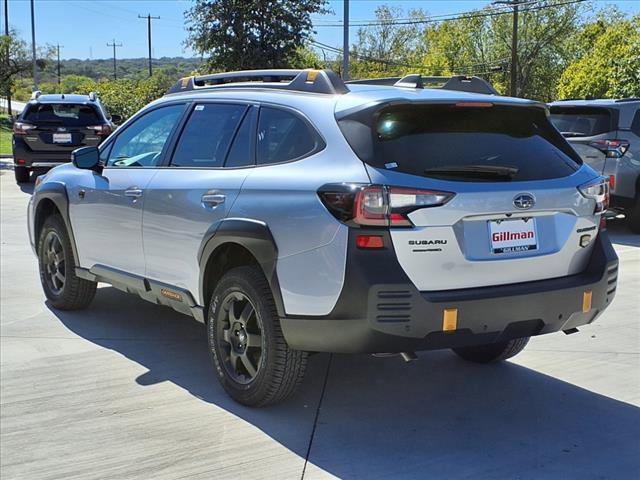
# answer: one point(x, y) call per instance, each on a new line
point(438, 417)
point(620, 234)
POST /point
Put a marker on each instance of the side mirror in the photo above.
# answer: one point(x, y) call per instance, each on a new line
point(117, 119)
point(87, 158)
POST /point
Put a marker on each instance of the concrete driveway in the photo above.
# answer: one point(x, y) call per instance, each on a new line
point(125, 390)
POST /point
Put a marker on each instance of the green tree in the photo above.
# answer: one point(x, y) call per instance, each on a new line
point(611, 67)
point(248, 34)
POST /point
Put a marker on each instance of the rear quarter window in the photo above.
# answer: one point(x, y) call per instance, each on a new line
point(66, 114)
point(495, 143)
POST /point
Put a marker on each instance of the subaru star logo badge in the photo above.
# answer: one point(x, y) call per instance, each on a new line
point(524, 201)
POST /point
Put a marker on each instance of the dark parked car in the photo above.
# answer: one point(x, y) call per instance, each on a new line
point(52, 126)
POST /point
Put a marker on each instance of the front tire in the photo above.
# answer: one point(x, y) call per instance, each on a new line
point(253, 362)
point(22, 174)
point(493, 352)
point(57, 267)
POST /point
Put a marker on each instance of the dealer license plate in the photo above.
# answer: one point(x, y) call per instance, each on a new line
point(511, 236)
point(61, 138)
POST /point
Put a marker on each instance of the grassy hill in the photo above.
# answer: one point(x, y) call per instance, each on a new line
point(133, 68)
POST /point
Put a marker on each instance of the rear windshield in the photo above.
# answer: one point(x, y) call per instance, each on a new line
point(491, 143)
point(67, 114)
point(581, 121)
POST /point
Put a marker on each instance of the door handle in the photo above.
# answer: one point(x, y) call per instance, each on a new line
point(213, 199)
point(133, 192)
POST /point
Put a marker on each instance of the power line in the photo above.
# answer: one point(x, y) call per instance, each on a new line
point(149, 18)
point(458, 16)
point(114, 45)
point(461, 69)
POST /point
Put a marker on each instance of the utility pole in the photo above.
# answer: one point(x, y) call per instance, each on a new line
point(149, 18)
point(6, 32)
point(345, 41)
point(114, 45)
point(58, 47)
point(33, 46)
point(514, 44)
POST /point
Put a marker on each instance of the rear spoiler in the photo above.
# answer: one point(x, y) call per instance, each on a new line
point(460, 83)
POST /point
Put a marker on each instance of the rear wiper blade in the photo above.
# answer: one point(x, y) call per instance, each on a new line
point(474, 171)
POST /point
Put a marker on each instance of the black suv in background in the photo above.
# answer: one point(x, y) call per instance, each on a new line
point(51, 126)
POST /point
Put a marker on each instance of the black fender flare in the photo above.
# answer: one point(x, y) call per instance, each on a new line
point(57, 193)
point(254, 236)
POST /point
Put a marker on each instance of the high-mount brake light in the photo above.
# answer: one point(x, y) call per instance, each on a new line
point(474, 105)
point(22, 128)
point(597, 190)
point(378, 205)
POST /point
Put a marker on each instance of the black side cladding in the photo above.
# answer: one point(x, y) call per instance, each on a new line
point(252, 235)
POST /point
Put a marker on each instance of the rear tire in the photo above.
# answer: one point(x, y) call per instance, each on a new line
point(253, 362)
point(22, 174)
point(57, 266)
point(492, 352)
point(633, 216)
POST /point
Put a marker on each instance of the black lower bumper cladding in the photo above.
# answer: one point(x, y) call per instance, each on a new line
point(380, 310)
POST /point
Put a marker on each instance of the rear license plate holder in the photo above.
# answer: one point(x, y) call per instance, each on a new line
point(61, 138)
point(513, 235)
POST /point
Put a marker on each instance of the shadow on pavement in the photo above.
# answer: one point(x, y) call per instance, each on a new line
point(438, 417)
point(620, 233)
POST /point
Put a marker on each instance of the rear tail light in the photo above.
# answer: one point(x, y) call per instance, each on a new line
point(102, 130)
point(21, 128)
point(612, 182)
point(597, 190)
point(611, 148)
point(378, 205)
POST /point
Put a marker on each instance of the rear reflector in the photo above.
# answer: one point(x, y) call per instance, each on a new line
point(586, 301)
point(449, 319)
point(369, 241)
point(20, 161)
point(612, 182)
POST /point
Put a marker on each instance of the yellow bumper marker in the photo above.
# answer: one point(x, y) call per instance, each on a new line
point(449, 319)
point(586, 301)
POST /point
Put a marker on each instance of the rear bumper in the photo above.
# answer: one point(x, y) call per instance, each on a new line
point(379, 312)
point(23, 156)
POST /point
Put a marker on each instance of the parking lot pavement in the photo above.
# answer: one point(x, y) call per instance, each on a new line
point(125, 390)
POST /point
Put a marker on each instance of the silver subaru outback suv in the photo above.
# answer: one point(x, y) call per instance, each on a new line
point(294, 213)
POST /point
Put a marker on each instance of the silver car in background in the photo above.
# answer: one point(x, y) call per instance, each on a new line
point(606, 134)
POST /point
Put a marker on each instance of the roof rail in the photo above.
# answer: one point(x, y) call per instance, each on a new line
point(93, 96)
point(460, 83)
point(36, 94)
point(631, 99)
point(311, 81)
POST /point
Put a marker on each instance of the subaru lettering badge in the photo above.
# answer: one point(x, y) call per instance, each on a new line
point(524, 201)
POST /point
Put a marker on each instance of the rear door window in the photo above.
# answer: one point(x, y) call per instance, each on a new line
point(65, 114)
point(284, 136)
point(494, 143)
point(582, 121)
point(207, 135)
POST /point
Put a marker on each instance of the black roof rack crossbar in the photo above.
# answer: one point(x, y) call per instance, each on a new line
point(311, 81)
point(460, 83)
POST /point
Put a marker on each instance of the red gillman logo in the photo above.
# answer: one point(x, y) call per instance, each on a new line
point(506, 236)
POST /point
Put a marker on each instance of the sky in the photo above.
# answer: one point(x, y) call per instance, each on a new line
point(84, 27)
